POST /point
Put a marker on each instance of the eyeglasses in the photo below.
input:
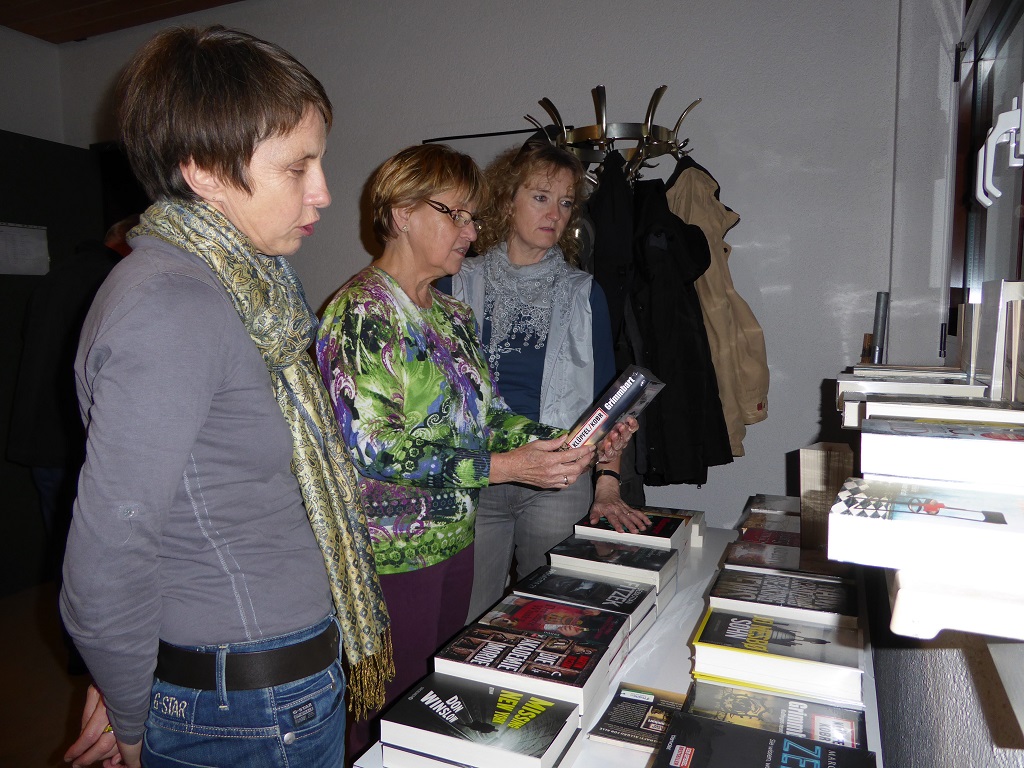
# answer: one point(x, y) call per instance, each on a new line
point(459, 216)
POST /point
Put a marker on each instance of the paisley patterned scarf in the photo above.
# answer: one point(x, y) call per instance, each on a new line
point(270, 301)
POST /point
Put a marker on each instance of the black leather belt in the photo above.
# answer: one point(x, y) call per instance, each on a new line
point(248, 671)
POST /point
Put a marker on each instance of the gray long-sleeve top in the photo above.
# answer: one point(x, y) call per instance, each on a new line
point(189, 525)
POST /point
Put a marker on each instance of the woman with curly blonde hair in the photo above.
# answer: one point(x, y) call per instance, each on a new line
point(547, 336)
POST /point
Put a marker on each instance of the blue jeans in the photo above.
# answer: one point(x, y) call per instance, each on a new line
point(296, 725)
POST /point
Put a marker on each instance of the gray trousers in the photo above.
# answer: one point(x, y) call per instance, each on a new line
point(527, 522)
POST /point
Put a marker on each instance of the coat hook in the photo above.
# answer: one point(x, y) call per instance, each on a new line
point(601, 106)
point(549, 107)
point(675, 131)
point(655, 100)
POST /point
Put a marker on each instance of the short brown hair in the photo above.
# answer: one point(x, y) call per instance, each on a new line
point(416, 174)
point(509, 171)
point(209, 95)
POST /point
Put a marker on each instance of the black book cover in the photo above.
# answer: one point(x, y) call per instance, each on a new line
point(630, 598)
point(698, 742)
point(627, 396)
point(790, 715)
point(614, 553)
point(479, 724)
point(806, 593)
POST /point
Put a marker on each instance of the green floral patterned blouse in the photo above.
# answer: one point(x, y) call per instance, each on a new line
point(419, 411)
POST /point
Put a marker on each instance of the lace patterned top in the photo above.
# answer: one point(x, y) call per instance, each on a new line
point(419, 411)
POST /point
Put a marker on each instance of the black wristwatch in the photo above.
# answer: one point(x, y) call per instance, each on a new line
point(609, 472)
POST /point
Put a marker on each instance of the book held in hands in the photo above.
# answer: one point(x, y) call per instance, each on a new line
point(627, 396)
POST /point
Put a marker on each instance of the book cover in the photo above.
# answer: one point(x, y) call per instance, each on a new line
point(781, 655)
point(700, 742)
point(630, 598)
point(668, 530)
point(627, 396)
point(637, 717)
point(957, 386)
point(944, 451)
point(770, 502)
point(551, 665)
point(969, 533)
point(955, 409)
point(758, 554)
point(771, 536)
point(533, 614)
point(399, 757)
point(792, 596)
point(695, 520)
point(790, 715)
point(771, 521)
point(481, 725)
point(627, 562)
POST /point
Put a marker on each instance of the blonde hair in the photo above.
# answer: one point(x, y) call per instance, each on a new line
point(416, 174)
point(508, 172)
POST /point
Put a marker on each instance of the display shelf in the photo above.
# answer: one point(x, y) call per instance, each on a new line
point(1008, 657)
point(663, 659)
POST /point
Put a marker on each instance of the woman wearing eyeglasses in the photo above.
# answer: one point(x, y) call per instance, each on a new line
point(547, 337)
point(416, 404)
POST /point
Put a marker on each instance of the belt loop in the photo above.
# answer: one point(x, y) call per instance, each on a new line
point(222, 688)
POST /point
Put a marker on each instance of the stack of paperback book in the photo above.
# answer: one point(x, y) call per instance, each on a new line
point(633, 600)
point(621, 561)
point(446, 721)
point(784, 656)
point(547, 664)
point(941, 503)
point(955, 549)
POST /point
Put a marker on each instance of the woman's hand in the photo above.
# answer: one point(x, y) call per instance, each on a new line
point(95, 742)
point(616, 440)
point(608, 503)
point(541, 464)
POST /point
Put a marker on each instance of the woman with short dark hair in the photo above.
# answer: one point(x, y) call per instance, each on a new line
point(218, 561)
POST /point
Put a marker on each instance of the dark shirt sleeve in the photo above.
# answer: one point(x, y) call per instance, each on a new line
point(604, 351)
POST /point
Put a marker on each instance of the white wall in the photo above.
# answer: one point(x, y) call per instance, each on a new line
point(30, 100)
point(797, 124)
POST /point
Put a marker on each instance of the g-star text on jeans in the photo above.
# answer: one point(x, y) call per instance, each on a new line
point(168, 705)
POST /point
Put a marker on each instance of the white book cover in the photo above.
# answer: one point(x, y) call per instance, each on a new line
point(960, 452)
point(968, 409)
point(969, 533)
point(907, 385)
